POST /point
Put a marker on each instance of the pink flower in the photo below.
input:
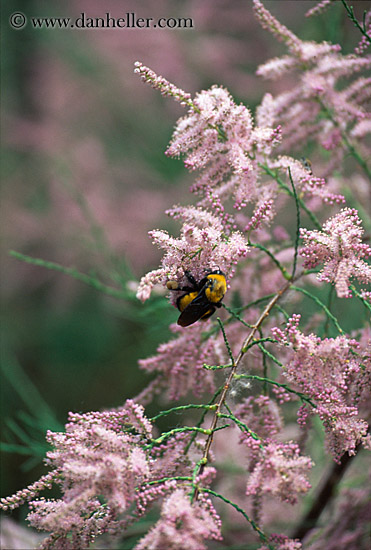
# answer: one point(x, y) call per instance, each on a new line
point(319, 90)
point(179, 363)
point(218, 138)
point(280, 471)
point(261, 414)
point(339, 247)
point(96, 459)
point(365, 42)
point(269, 22)
point(331, 373)
point(304, 180)
point(182, 525)
point(45, 482)
point(318, 8)
point(99, 463)
point(282, 542)
point(202, 245)
point(160, 83)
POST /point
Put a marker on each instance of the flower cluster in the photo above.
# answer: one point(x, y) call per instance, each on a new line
point(261, 414)
point(179, 363)
point(111, 466)
point(364, 43)
point(202, 245)
point(304, 180)
point(319, 8)
point(99, 455)
point(276, 468)
point(182, 525)
point(110, 471)
point(330, 372)
point(320, 69)
point(24, 495)
point(281, 471)
point(340, 248)
point(217, 138)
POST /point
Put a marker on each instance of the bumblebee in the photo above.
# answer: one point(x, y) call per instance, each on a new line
point(201, 299)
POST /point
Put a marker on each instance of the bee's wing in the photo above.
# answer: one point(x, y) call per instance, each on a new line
point(195, 310)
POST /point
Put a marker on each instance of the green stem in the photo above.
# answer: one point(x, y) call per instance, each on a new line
point(283, 186)
point(226, 386)
point(203, 431)
point(258, 341)
point(72, 272)
point(243, 427)
point(201, 421)
point(229, 350)
point(272, 257)
point(352, 17)
point(297, 236)
point(322, 305)
point(256, 528)
point(283, 311)
point(164, 479)
point(182, 408)
point(270, 355)
point(365, 302)
point(302, 396)
point(235, 315)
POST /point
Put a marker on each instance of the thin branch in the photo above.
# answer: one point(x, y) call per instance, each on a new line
point(352, 150)
point(287, 189)
point(227, 345)
point(165, 435)
point(72, 272)
point(321, 304)
point(182, 408)
point(272, 257)
point(297, 236)
point(230, 378)
point(352, 17)
point(286, 387)
point(365, 302)
point(256, 528)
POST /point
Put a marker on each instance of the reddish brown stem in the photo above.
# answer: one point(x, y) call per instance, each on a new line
point(223, 395)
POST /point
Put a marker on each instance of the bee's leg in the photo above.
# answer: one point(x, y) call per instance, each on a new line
point(191, 279)
point(173, 285)
point(182, 288)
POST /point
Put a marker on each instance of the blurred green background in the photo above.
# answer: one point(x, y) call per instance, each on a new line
point(85, 178)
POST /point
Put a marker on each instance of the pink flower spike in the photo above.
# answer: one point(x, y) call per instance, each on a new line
point(161, 84)
point(340, 248)
point(269, 22)
point(331, 372)
point(319, 8)
point(182, 525)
